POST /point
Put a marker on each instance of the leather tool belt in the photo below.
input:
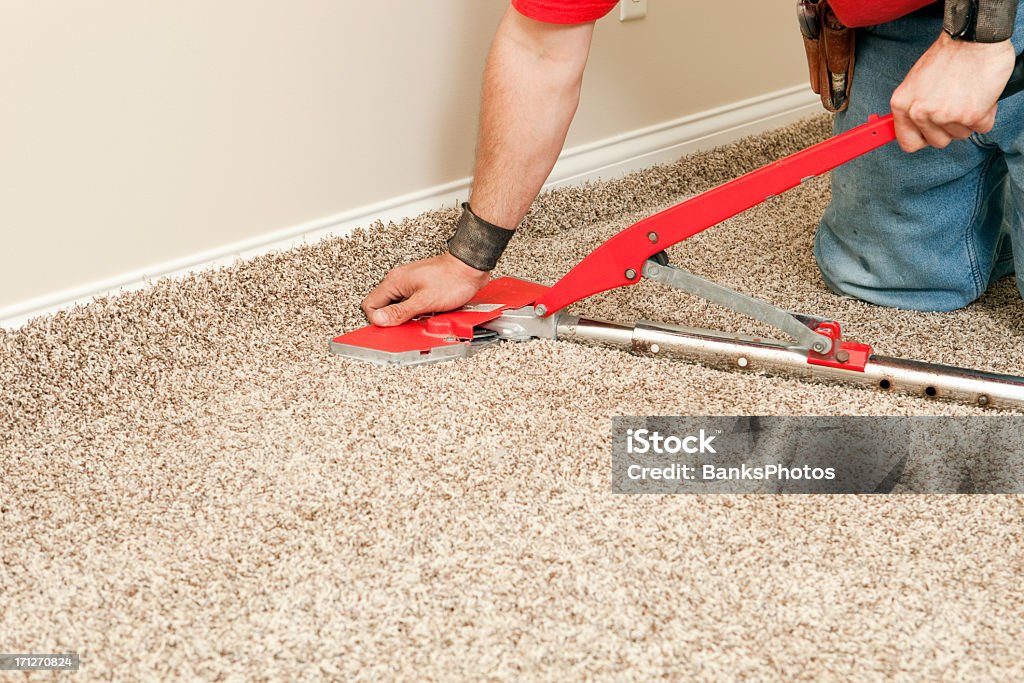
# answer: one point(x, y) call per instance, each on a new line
point(830, 53)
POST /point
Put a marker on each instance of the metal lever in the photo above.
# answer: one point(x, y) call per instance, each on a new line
point(805, 337)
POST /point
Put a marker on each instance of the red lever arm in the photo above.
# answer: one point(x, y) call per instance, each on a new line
point(619, 261)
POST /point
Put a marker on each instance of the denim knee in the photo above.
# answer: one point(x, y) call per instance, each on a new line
point(894, 285)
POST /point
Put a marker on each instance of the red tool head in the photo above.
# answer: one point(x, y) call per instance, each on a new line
point(440, 337)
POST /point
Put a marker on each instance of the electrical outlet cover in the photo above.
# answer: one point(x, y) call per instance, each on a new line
point(632, 9)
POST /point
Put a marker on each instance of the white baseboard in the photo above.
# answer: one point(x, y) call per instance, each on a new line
point(604, 159)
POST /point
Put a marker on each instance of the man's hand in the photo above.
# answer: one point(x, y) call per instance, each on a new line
point(432, 285)
point(951, 92)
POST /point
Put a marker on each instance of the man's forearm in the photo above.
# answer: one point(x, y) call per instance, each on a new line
point(531, 91)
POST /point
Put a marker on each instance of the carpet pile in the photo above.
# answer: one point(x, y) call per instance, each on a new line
point(191, 487)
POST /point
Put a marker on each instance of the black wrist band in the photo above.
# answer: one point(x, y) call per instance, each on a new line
point(476, 242)
point(980, 21)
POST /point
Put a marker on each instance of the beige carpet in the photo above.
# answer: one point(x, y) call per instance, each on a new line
point(192, 488)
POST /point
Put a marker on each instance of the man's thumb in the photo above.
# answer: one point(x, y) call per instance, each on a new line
point(395, 314)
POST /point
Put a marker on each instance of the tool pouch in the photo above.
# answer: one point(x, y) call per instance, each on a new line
point(830, 51)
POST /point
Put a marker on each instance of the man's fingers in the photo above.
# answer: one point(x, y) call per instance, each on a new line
point(932, 133)
point(399, 312)
point(390, 289)
point(392, 302)
point(957, 131)
point(935, 136)
point(987, 122)
point(961, 124)
point(908, 135)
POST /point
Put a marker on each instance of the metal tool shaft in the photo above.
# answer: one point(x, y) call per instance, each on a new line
point(749, 354)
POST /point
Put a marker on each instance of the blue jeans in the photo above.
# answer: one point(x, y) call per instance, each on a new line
point(930, 230)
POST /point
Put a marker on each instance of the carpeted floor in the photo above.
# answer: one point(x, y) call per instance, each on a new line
point(192, 488)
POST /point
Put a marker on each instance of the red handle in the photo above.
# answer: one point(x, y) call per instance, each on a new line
point(624, 254)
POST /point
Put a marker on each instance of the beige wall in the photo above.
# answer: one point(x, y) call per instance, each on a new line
point(132, 133)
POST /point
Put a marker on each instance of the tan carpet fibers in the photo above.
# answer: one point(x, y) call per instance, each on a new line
point(193, 488)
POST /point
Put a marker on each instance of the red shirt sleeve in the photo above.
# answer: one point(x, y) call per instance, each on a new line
point(856, 13)
point(564, 11)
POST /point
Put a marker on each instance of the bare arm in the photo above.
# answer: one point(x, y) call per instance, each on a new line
point(531, 90)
